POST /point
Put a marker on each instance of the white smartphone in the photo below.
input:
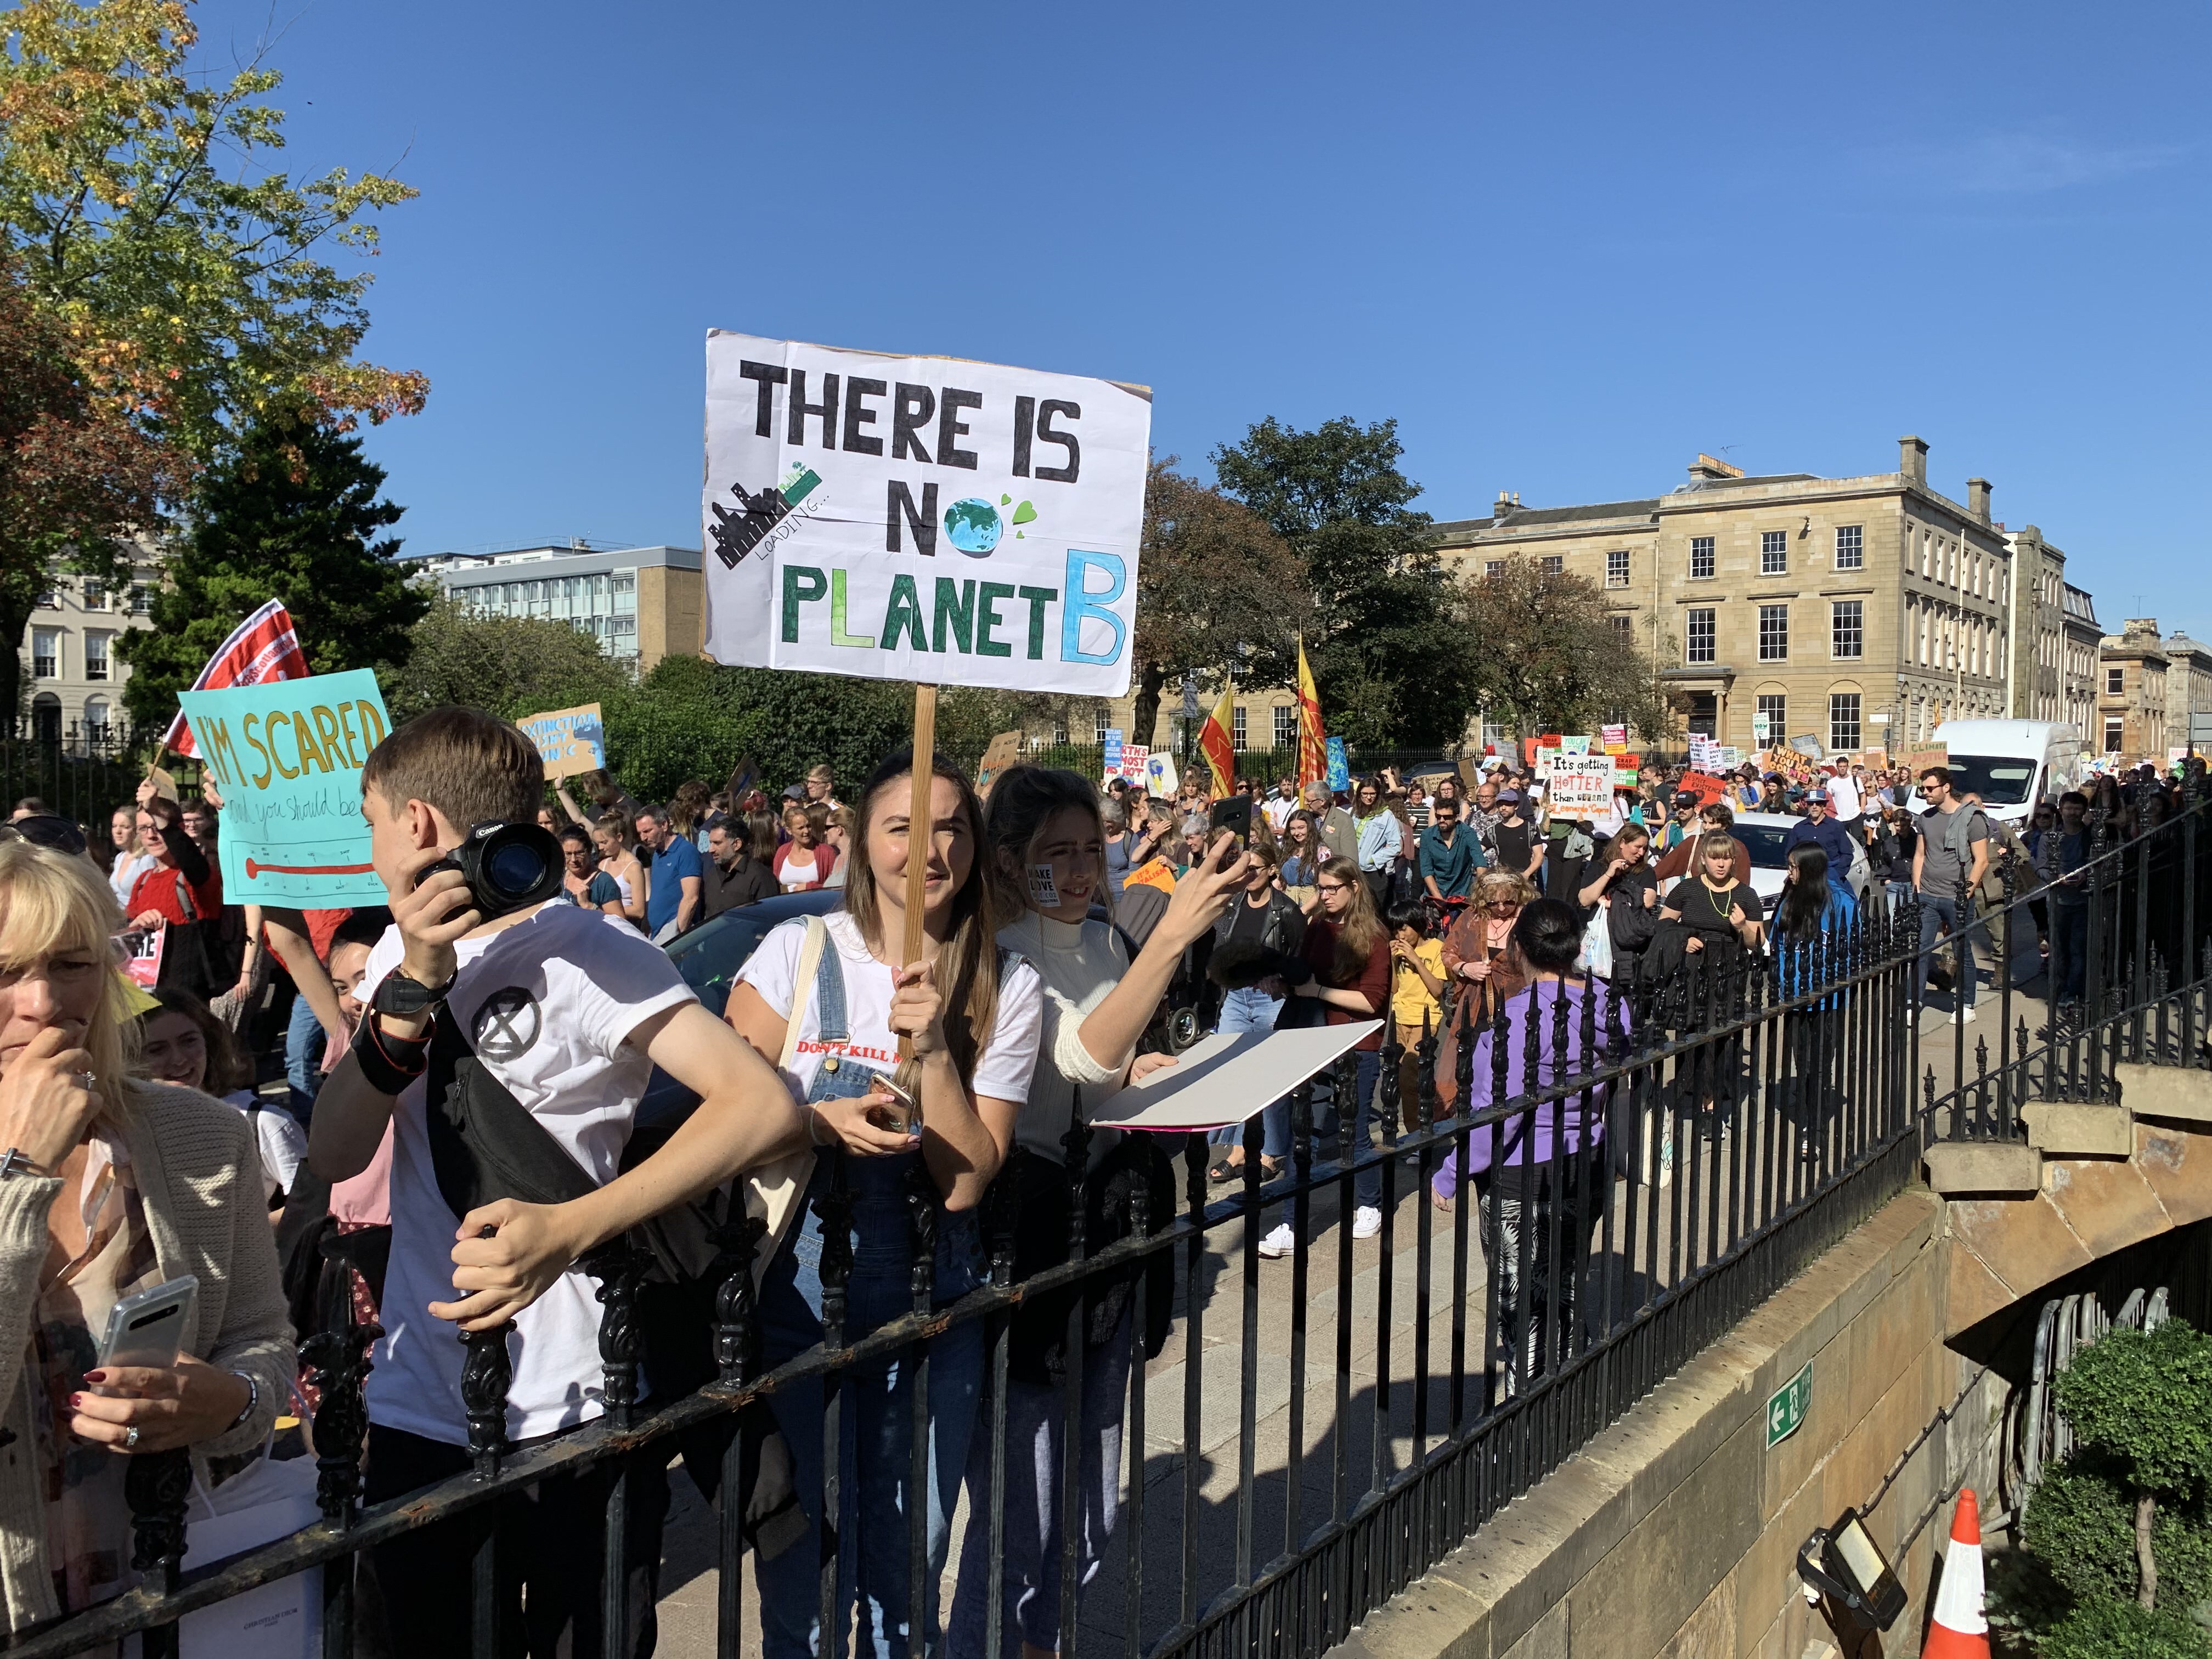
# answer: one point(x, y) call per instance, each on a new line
point(147, 1327)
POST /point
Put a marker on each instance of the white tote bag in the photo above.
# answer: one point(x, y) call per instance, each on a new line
point(1596, 955)
point(279, 1621)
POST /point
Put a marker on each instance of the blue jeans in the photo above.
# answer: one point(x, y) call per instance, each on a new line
point(875, 1440)
point(2070, 949)
point(303, 1058)
point(1964, 932)
point(1367, 1185)
point(1253, 1010)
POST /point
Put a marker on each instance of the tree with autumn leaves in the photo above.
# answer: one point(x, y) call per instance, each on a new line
point(174, 293)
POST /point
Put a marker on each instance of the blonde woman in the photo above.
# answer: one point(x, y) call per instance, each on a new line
point(610, 835)
point(109, 1186)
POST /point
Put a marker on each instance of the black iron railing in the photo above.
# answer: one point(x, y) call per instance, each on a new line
point(2128, 980)
point(1660, 1161)
point(82, 772)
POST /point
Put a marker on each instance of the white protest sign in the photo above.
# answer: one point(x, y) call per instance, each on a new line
point(1136, 761)
point(920, 517)
point(1581, 786)
point(1229, 1077)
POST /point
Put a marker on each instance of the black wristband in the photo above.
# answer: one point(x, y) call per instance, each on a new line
point(388, 1064)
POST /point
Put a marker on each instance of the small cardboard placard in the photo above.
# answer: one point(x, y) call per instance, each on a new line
point(570, 741)
point(1005, 749)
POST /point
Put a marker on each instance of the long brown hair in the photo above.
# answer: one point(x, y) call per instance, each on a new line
point(969, 958)
point(1361, 931)
point(1023, 800)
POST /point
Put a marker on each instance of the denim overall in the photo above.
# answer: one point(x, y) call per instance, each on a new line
point(875, 1401)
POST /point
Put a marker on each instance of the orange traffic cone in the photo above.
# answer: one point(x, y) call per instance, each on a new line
point(1960, 1631)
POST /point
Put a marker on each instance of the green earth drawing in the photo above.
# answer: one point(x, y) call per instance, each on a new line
point(972, 525)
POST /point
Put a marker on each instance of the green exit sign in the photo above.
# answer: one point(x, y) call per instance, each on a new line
point(1786, 1407)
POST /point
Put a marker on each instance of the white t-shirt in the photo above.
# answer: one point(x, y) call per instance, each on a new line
point(797, 872)
point(283, 1143)
point(1002, 1071)
point(1277, 811)
point(1844, 796)
point(548, 1005)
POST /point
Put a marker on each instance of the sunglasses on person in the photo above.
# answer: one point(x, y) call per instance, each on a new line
point(44, 829)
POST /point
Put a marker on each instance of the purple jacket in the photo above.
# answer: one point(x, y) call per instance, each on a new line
point(1529, 1136)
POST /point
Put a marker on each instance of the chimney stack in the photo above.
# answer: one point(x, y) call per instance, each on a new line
point(1912, 461)
point(1978, 498)
point(1503, 506)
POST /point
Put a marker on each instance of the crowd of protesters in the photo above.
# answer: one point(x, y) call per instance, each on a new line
point(263, 1099)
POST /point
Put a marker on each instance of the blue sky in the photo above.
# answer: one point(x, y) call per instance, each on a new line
point(1566, 247)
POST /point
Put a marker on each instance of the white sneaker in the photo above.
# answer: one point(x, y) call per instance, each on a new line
point(1962, 1016)
point(1278, 1243)
point(1367, 1222)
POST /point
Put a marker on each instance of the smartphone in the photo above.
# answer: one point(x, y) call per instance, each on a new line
point(147, 1327)
point(903, 1115)
point(1234, 815)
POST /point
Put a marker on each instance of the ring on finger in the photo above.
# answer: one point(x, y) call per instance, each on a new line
point(130, 1438)
point(86, 1081)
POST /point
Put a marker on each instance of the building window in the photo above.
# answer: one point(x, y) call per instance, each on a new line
point(1773, 552)
point(1099, 730)
point(1774, 633)
point(142, 598)
point(95, 594)
point(2115, 682)
point(1059, 732)
point(1843, 720)
point(1847, 628)
point(1237, 729)
point(1776, 707)
point(1554, 564)
point(96, 720)
point(47, 653)
point(1701, 645)
point(1616, 570)
point(1625, 625)
point(1701, 558)
point(1286, 726)
point(95, 656)
point(1494, 568)
point(1851, 547)
point(51, 599)
point(2112, 736)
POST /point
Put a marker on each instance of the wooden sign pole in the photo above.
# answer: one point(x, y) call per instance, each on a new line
point(921, 832)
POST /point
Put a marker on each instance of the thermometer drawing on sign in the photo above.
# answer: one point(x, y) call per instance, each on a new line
point(255, 869)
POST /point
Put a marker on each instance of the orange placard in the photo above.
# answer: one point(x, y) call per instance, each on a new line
point(1702, 787)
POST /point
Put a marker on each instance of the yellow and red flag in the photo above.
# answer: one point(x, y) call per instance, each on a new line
point(1218, 746)
point(1313, 756)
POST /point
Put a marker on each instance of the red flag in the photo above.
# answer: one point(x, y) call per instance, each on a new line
point(262, 647)
point(1313, 758)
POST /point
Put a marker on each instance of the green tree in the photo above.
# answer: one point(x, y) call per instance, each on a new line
point(2143, 1400)
point(1541, 654)
point(1383, 640)
point(689, 718)
point(78, 477)
point(1218, 591)
point(194, 278)
point(292, 514)
point(510, 666)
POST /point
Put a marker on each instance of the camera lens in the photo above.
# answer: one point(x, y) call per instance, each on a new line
point(514, 866)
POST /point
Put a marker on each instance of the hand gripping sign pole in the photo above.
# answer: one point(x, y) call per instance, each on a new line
point(921, 843)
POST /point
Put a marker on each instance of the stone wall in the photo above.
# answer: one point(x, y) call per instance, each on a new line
point(1676, 1532)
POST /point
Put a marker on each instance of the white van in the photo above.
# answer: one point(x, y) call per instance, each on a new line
point(2010, 764)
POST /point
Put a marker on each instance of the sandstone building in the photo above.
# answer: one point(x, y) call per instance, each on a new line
point(1861, 611)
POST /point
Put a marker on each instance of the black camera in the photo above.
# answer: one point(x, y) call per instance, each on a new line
point(508, 866)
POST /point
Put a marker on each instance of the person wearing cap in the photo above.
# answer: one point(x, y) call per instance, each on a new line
point(1521, 847)
point(1820, 828)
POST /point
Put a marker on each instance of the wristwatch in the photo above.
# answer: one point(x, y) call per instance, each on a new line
point(398, 994)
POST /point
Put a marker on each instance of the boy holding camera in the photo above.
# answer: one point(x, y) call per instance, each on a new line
point(568, 1012)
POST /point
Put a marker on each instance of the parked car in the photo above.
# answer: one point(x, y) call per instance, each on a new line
point(709, 957)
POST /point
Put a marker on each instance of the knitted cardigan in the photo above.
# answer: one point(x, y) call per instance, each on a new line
point(199, 1177)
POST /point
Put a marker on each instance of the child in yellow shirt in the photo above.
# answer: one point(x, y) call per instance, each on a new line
point(1417, 988)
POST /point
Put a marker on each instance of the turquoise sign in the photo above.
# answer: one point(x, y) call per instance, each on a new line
point(286, 756)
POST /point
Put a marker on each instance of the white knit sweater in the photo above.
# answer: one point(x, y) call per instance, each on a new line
point(199, 1175)
point(1079, 964)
